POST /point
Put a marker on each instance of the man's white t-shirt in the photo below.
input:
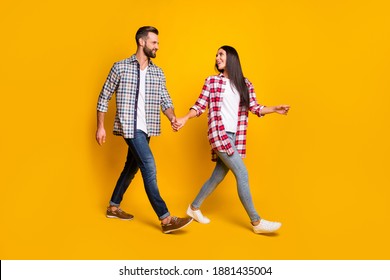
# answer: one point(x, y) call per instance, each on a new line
point(141, 117)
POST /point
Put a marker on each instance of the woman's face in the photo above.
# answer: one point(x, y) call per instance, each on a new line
point(221, 59)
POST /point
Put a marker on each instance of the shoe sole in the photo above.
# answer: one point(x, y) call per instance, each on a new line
point(115, 217)
point(190, 214)
point(175, 229)
point(266, 231)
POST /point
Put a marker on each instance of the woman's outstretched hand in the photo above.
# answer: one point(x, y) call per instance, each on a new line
point(282, 109)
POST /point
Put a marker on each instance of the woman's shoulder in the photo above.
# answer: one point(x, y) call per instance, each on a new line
point(247, 82)
point(214, 78)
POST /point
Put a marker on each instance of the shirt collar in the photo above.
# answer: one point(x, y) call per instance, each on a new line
point(133, 59)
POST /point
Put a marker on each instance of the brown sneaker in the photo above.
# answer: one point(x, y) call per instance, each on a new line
point(175, 224)
point(118, 213)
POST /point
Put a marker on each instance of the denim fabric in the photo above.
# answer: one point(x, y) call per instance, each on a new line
point(139, 156)
point(222, 167)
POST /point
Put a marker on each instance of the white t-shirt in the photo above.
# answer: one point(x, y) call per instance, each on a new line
point(141, 117)
point(229, 109)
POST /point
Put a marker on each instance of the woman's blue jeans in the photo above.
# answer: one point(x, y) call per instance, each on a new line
point(139, 156)
point(237, 166)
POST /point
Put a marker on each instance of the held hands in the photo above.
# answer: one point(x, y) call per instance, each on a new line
point(178, 123)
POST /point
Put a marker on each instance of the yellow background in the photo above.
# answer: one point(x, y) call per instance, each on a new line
point(323, 171)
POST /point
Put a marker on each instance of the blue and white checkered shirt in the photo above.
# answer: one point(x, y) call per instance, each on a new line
point(124, 80)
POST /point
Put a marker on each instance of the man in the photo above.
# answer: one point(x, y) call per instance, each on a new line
point(140, 92)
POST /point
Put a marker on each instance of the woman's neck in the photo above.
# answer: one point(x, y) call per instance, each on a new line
point(225, 74)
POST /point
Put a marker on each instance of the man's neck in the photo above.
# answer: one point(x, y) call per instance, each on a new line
point(143, 60)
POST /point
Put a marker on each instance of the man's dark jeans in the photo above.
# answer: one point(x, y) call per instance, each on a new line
point(139, 156)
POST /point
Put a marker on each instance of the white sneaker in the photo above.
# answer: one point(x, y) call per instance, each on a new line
point(266, 226)
point(197, 216)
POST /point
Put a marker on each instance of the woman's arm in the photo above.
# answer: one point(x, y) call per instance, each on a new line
point(180, 122)
point(280, 109)
point(196, 110)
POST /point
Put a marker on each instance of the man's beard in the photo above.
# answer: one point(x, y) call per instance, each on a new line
point(149, 53)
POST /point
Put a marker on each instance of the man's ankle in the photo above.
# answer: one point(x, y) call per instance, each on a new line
point(166, 220)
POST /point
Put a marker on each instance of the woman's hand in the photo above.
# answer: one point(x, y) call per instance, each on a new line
point(282, 109)
point(179, 123)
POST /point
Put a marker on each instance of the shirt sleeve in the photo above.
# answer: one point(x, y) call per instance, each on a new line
point(166, 101)
point(108, 90)
point(254, 106)
point(203, 99)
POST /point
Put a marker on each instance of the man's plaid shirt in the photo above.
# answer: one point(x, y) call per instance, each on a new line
point(212, 96)
point(124, 80)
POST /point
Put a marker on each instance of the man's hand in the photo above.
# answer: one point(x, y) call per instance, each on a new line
point(101, 136)
point(179, 123)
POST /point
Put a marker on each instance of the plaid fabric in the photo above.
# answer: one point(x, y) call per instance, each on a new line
point(212, 97)
point(123, 79)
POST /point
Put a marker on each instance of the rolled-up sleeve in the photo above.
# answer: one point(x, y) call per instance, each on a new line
point(110, 86)
point(203, 99)
point(254, 106)
point(166, 101)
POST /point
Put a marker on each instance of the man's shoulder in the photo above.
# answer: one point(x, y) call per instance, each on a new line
point(124, 65)
point(156, 70)
point(128, 60)
point(154, 66)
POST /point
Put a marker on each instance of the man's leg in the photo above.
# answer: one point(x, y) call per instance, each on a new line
point(139, 146)
point(140, 149)
point(127, 175)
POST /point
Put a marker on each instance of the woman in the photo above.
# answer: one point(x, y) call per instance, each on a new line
point(229, 96)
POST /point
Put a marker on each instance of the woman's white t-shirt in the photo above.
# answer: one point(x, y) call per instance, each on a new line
point(230, 105)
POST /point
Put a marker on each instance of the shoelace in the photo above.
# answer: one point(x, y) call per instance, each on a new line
point(118, 209)
point(172, 221)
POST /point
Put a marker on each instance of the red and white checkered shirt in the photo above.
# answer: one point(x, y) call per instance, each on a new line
point(212, 97)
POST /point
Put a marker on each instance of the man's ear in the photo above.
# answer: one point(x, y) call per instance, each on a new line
point(141, 42)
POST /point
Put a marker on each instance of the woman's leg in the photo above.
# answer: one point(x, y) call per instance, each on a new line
point(237, 166)
point(211, 184)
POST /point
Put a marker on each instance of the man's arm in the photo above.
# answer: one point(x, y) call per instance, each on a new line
point(170, 114)
point(100, 131)
point(180, 122)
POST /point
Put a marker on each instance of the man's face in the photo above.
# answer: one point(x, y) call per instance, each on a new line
point(150, 45)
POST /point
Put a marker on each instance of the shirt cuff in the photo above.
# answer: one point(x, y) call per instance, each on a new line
point(260, 114)
point(198, 112)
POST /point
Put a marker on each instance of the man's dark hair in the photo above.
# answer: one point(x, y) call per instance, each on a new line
point(144, 31)
point(233, 68)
